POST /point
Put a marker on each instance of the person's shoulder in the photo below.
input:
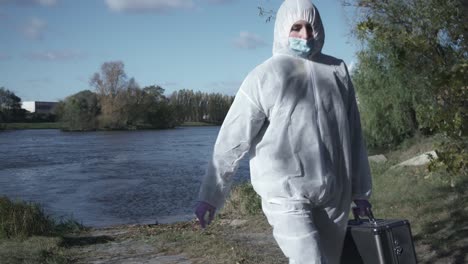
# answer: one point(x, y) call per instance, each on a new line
point(274, 66)
point(325, 59)
point(272, 62)
point(333, 64)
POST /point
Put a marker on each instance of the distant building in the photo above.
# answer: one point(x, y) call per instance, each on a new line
point(39, 107)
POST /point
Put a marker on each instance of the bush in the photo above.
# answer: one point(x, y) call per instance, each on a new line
point(21, 219)
point(79, 112)
point(452, 159)
point(243, 201)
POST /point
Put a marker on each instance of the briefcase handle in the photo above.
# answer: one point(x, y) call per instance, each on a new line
point(369, 215)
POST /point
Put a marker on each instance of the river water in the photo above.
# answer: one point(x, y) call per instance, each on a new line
point(109, 178)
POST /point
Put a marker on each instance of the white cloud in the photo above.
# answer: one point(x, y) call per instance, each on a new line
point(34, 29)
point(147, 5)
point(247, 40)
point(65, 55)
point(29, 2)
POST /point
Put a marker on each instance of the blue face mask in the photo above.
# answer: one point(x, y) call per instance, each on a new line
point(301, 47)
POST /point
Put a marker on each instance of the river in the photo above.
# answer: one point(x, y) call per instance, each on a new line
point(109, 178)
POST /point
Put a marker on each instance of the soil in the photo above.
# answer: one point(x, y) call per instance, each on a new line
point(134, 245)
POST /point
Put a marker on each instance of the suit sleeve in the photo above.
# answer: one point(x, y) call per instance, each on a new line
point(241, 125)
point(361, 176)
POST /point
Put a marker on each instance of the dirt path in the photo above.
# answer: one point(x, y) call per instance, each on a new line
point(118, 245)
point(159, 244)
point(154, 245)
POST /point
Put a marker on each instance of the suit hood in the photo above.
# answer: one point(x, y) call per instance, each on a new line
point(289, 13)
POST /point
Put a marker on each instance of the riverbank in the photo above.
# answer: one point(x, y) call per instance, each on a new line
point(57, 125)
point(438, 214)
point(190, 124)
point(18, 126)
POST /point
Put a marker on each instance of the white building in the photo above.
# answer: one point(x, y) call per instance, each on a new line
point(39, 107)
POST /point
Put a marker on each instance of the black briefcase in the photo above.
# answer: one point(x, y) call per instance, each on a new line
point(378, 241)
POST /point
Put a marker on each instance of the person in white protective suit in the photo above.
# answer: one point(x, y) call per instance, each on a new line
point(296, 115)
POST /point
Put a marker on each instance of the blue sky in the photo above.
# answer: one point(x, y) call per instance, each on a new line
point(49, 49)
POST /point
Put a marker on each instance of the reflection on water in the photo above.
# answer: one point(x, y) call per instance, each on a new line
point(108, 178)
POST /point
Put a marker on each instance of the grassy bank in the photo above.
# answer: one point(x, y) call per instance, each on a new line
point(27, 235)
point(48, 125)
point(438, 214)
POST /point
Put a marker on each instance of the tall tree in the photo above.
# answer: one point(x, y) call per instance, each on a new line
point(112, 86)
point(200, 107)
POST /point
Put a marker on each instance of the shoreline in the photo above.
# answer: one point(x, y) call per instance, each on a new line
point(57, 125)
point(165, 220)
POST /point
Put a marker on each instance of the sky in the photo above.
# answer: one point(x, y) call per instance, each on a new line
point(49, 49)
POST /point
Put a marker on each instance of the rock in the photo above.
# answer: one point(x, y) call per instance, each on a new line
point(378, 158)
point(422, 159)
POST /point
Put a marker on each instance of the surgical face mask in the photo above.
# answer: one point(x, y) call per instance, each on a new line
point(301, 47)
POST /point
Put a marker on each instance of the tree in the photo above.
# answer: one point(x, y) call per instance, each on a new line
point(411, 51)
point(200, 107)
point(10, 107)
point(79, 112)
point(412, 73)
point(113, 87)
point(154, 109)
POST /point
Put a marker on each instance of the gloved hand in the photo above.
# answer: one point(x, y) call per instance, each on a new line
point(200, 211)
point(362, 207)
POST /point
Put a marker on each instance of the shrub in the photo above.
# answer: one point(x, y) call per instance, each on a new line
point(21, 219)
point(243, 201)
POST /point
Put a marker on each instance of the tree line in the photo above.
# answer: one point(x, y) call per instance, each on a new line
point(118, 103)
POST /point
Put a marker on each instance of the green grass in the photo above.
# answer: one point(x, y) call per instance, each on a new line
point(48, 125)
point(36, 249)
point(243, 201)
point(435, 203)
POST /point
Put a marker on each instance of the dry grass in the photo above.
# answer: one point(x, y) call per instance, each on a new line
point(20, 219)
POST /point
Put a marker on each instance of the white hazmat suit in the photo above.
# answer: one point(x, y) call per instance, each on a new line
point(298, 120)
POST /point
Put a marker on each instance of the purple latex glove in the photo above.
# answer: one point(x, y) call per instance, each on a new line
point(362, 207)
point(201, 210)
